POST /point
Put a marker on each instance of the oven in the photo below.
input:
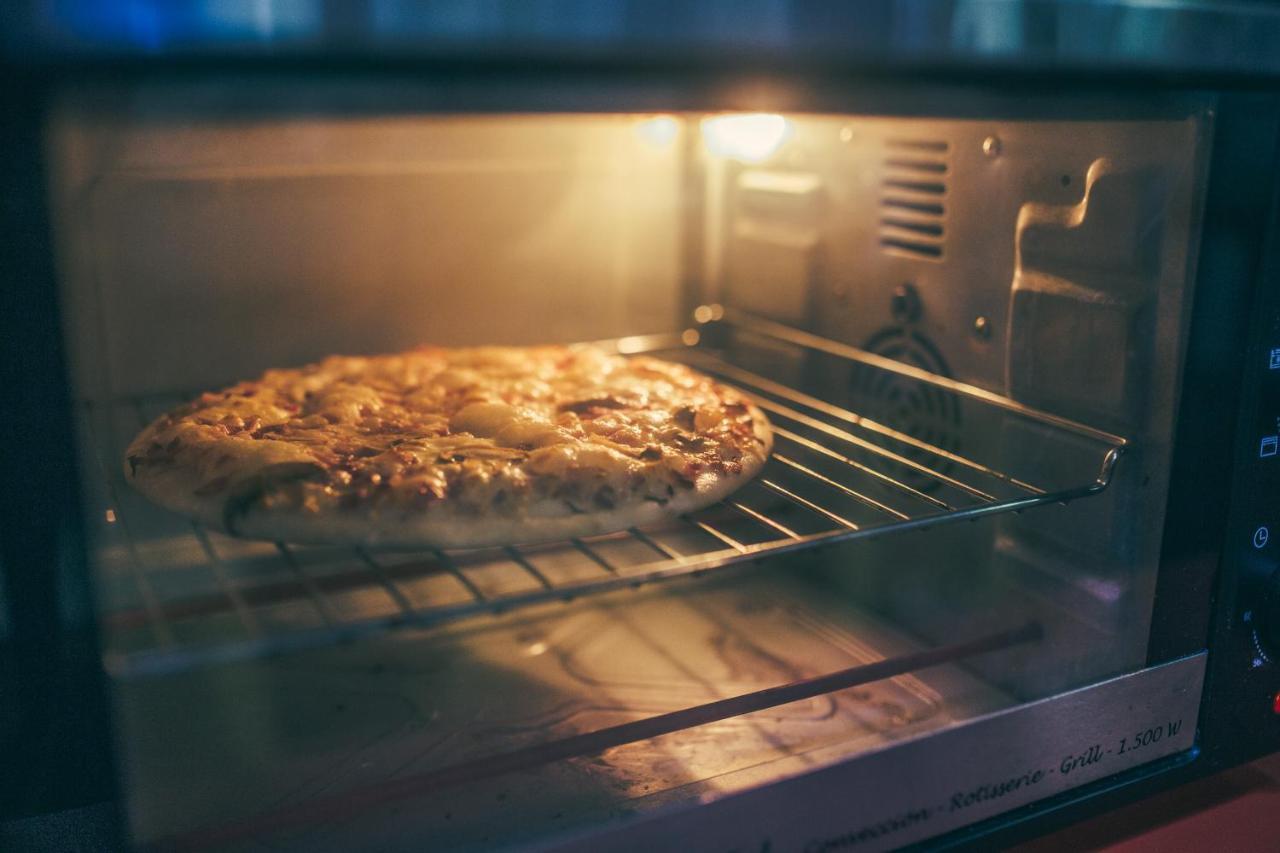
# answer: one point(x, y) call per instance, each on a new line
point(1002, 277)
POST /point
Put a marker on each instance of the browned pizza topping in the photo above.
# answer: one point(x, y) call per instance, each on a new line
point(480, 428)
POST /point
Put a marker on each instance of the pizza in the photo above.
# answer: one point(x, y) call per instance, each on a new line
point(452, 448)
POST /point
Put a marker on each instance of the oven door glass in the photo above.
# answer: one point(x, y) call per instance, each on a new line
point(967, 334)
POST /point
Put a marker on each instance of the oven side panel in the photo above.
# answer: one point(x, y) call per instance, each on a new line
point(1051, 260)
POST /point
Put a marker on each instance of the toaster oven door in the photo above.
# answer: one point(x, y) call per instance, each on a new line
point(968, 325)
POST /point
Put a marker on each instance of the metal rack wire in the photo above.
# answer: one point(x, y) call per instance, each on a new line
point(176, 595)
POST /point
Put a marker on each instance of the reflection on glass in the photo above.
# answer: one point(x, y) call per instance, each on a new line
point(750, 137)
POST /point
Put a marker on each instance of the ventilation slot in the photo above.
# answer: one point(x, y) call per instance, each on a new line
point(912, 202)
point(936, 146)
point(918, 165)
point(930, 187)
point(914, 206)
point(911, 247)
point(930, 229)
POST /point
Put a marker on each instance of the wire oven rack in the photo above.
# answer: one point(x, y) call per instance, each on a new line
point(175, 595)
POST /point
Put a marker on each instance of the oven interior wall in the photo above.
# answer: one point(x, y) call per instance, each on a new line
point(203, 249)
point(1049, 261)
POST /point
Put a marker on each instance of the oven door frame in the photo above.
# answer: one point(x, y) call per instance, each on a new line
point(52, 654)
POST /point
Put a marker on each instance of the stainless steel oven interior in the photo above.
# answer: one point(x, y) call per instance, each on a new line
point(967, 332)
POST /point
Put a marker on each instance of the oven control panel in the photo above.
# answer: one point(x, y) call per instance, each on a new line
point(1249, 648)
point(1260, 604)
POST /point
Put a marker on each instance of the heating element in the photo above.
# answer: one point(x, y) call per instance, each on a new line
point(177, 595)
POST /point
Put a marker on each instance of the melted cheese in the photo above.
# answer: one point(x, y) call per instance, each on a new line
point(508, 426)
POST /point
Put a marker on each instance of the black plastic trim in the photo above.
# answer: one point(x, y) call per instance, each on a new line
point(55, 733)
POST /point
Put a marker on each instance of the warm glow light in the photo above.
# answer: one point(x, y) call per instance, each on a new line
point(659, 131)
point(707, 313)
point(750, 137)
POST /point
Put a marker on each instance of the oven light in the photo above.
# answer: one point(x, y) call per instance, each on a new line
point(659, 131)
point(750, 137)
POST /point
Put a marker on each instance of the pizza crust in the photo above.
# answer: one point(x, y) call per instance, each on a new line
point(446, 529)
point(298, 489)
